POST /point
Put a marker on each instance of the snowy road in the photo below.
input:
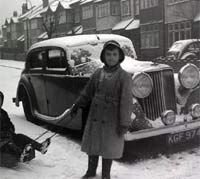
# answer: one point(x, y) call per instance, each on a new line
point(64, 160)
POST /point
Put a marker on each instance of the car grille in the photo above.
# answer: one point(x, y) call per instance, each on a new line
point(162, 96)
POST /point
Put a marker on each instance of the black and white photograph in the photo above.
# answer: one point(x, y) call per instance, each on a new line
point(99, 89)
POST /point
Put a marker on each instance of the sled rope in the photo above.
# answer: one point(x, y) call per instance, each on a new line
point(45, 132)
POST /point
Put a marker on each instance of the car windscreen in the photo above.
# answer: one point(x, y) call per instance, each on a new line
point(86, 58)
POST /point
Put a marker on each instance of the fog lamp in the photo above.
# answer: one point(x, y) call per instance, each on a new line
point(168, 117)
point(195, 111)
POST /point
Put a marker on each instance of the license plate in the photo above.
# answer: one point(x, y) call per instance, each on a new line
point(183, 136)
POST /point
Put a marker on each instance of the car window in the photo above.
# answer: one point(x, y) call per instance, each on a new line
point(56, 59)
point(193, 47)
point(36, 59)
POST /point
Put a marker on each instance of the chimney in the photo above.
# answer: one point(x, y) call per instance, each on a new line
point(15, 14)
point(24, 8)
point(45, 3)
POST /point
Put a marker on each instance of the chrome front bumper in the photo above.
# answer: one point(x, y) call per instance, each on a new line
point(153, 132)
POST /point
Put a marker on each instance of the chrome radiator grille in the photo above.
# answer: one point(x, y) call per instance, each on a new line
point(162, 96)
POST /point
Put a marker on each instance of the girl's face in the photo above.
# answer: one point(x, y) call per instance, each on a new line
point(112, 57)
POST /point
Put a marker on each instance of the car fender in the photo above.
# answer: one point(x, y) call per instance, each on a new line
point(24, 84)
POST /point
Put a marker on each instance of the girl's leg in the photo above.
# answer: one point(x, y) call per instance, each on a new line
point(92, 166)
point(106, 167)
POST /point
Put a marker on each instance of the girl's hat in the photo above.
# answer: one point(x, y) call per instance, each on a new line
point(107, 45)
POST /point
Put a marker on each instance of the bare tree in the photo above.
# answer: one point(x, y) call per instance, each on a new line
point(50, 22)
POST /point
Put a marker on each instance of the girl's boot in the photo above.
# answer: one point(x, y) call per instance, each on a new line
point(92, 166)
point(106, 167)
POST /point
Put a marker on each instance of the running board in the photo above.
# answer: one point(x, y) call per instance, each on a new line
point(146, 133)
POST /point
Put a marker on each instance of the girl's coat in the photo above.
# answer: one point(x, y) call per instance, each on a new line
point(109, 93)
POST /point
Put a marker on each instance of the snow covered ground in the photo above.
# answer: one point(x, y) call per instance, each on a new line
point(64, 160)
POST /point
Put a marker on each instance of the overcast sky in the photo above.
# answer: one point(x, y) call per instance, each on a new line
point(8, 6)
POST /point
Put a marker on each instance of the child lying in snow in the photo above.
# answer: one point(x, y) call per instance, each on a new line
point(14, 147)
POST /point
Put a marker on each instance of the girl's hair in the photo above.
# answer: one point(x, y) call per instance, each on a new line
point(1, 96)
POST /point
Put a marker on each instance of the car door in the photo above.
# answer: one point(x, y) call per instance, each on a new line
point(36, 60)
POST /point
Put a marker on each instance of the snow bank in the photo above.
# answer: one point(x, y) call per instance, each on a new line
point(64, 160)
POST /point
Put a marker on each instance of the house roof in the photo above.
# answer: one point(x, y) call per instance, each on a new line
point(43, 36)
point(122, 24)
point(77, 30)
point(73, 2)
point(96, 1)
point(8, 20)
point(14, 19)
point(53, 6)
point(197, 18)
point(35, 11)
point(135, 24)
point(85, 2)
point(21, 38)
point(65, 4)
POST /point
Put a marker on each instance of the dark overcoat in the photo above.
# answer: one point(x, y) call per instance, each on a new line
point(6, 127)
point(109, 93)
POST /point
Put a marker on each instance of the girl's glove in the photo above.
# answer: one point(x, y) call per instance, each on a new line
point(74, 110)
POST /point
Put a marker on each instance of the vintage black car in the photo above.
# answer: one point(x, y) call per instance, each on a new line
point(182, 52)
point(183, 49)
point(56, 71)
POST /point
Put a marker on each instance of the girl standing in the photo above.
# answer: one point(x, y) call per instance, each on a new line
point(109, 93)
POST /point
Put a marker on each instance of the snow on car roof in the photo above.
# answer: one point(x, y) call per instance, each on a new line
point(68, 41)
point(180, 44)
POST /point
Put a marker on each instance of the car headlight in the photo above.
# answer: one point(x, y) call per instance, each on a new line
point(168, 117)
point(195, 111)
point(189, 76)
point(142, 85)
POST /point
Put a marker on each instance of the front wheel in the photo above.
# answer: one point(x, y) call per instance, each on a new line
point(27, 108)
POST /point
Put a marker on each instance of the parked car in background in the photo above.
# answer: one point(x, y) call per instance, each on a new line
point(182, 52)
point(56, 71)
point(185, 49)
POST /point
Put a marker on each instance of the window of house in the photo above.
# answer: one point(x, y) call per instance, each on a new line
point(178, 31)
point(115, 8)
point(87, 11)
point(104, 9)
point(14, 35)
point(76, 15)
point(150, 36)
point(62, 17)
point(126, 8)
point(14, 27)
point(148, 3)
point(56, 59)
point(137, 7)
point(69, 16)
point(34, 24)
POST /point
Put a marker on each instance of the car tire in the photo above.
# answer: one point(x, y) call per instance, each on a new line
point(27, 108)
